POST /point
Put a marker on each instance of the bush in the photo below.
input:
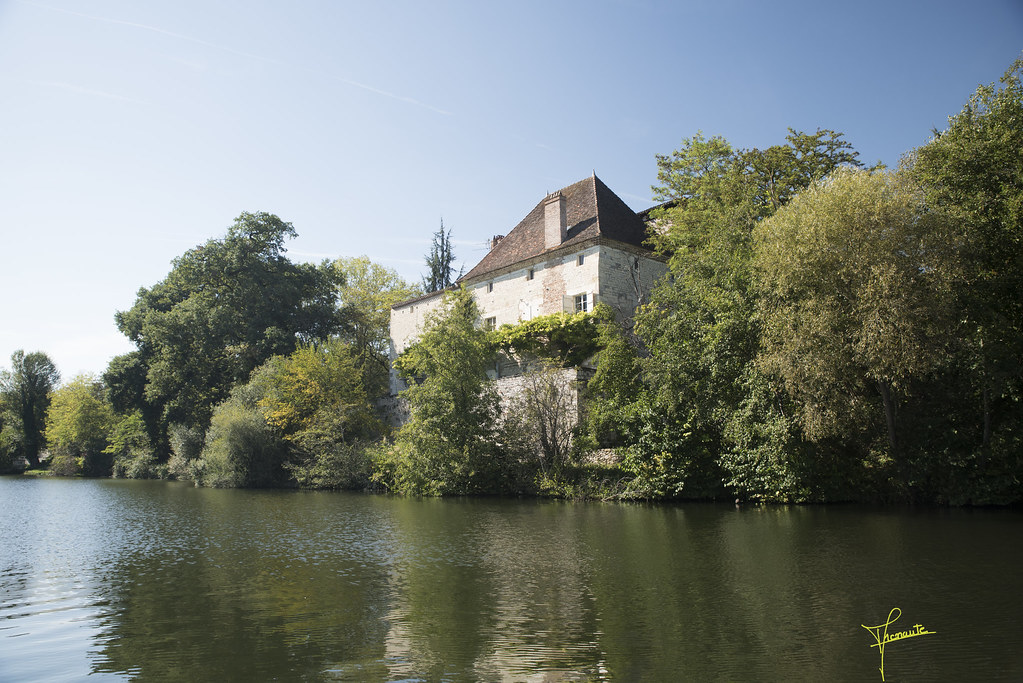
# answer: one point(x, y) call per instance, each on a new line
point(325, 462)
point(241, 450)
point(186, 447)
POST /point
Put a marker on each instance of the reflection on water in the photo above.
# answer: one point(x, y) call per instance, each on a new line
point(149, 580)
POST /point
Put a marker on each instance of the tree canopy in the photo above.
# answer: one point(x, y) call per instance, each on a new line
point(366, 291)
point(225, 307)
point(25, 392)
point(856, 279)
point(440, 269)
point(78, 425)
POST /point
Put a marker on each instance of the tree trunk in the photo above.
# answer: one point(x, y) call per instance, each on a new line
point(885, 389)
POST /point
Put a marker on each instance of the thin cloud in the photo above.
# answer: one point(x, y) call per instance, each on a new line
point(82, 90)
point(384, 93)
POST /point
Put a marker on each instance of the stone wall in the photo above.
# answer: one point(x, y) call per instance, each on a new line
point(626, 279)
point(538, 287)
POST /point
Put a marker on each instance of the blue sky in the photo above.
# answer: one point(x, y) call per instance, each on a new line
point(131, 131)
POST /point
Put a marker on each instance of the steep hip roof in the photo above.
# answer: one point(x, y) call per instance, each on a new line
point(593, 211)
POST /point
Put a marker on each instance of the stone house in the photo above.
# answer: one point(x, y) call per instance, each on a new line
point(578, 246)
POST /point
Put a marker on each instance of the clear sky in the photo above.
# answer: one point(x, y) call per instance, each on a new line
point(131, 131)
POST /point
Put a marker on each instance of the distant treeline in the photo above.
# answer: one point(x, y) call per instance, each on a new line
point(827, 332)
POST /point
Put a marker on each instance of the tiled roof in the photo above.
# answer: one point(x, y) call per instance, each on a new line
point(593, 211)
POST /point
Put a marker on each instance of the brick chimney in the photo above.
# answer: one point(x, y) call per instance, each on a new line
point(555, 220)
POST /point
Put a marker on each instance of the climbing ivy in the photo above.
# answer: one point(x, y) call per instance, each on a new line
point(564, 338)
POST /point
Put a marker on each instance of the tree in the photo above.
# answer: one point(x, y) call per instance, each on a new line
point(366, 291)
point(225, 307)
point(700, 331)
point(440, 262)
point(315, 398)
point(856, 278)
point(542, 419)
point(446, 446)
point(304, 417)
point(316, 388)
point(973, 170)
point(25, 390)
point(78, 424)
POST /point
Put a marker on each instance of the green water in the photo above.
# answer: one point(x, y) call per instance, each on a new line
point(114, 580)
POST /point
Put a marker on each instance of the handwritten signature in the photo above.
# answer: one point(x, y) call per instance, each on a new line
point(881, 635)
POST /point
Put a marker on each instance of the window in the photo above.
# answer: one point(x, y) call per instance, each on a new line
point(529, 274)
point(490, 323)
point(490, 287)
point(579, 261)
point(582, 302)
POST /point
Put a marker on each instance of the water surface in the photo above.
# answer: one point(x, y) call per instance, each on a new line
point(123, 580)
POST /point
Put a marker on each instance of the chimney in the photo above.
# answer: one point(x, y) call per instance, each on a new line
point(555, 220)
point(495, 240)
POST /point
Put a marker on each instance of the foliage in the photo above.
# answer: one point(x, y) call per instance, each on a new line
point(568, 339)
point(25, 395)
point(186, 448)
point(614, 388)
point(700, 332)
point(132, 451)
point(440, 270)
point(316, 400)
point(326, 462)
point(315, 387)
point(225, 307)
point(125, 380)
point(241, 450)
point(366, 292)
point(78, 425)
point(973, 170)
point(300, 418)
point(446, 446)
point(855, 278)
point(765, 457)
point(10, 445)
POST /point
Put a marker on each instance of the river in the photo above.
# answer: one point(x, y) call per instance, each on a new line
point(127, 580)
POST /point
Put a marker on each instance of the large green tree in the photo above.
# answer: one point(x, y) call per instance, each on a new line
point(225, 307)
point(78, 425)
point(25, 390)
point(973, 170)
point(700, 331)
point(856, 278)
